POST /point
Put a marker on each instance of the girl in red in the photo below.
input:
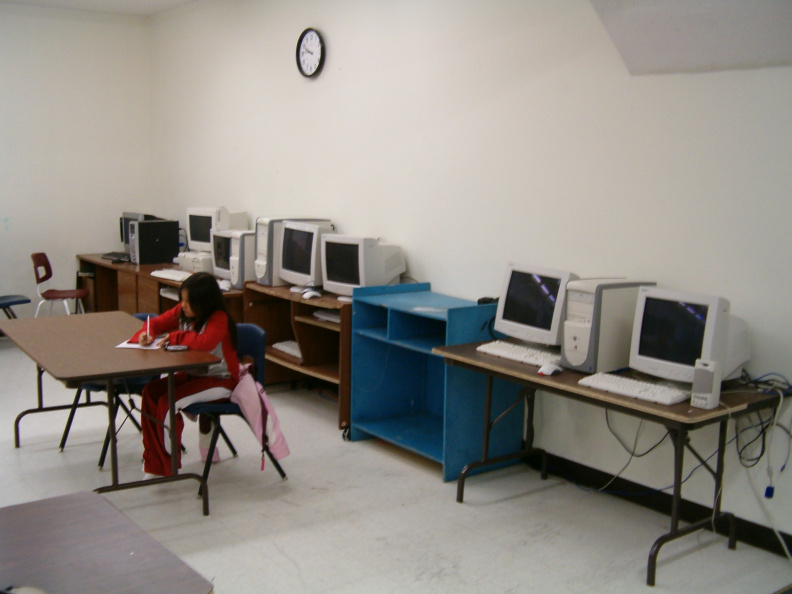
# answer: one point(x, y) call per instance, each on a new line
point(200, 321)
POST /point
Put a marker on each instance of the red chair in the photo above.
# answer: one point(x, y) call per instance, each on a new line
point(43, 272)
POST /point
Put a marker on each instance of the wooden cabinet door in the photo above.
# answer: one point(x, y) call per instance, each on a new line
point(127, 292)
point(148, 300)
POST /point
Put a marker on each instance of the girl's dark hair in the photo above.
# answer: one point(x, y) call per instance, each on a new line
point(206, 298)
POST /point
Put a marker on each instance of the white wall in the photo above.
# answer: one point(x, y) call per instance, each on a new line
point(472, 134)
point(74, 137)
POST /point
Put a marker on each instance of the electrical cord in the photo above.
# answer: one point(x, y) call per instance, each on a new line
point(631, 452)
point(623, 445)
point(577, 485)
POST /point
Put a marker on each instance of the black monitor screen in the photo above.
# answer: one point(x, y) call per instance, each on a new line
point(222, 252)
point(342, 263)
point(672, 331)
point(297, 247)
point(200, 228)
point(531, 299)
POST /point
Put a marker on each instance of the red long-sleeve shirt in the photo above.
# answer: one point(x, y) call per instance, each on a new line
point(215, 332)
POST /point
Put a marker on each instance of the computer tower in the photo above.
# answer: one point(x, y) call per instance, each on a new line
point(269, 236)
point(153, 242)
point(598, 324)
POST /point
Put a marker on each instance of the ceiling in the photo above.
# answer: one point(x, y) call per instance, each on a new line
point(668, 36)
point(141, 8)
point(651, 36)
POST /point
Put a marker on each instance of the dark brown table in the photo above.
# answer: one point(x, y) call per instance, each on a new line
point(679, 419)
point(81, 348)
point(131, 287)
point(80, 543)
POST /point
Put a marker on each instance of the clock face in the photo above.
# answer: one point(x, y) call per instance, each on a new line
point(310, 52)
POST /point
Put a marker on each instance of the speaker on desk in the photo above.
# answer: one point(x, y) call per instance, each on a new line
point(706, 384)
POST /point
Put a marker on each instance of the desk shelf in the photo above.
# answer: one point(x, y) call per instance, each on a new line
point(324, 345)
point(400, 389)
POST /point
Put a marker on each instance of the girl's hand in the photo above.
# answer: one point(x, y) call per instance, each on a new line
point(145, 340)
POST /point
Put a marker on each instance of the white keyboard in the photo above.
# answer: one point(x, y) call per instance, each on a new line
point(328, 315)
point(520, 353)
point(172, 274)
point(649, 391)
point(289, 347)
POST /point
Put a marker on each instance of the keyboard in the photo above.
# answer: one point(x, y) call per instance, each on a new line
point(172, 274)
point(332, 315)
point(123, 256)
point(642, 390)
point(289, 347)
point(521, 353)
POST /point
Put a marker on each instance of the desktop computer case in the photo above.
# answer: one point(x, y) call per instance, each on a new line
point(153, 242)
point(598, 324)
point(243, 253)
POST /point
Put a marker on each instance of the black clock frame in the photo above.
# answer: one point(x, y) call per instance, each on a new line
point(321, 58)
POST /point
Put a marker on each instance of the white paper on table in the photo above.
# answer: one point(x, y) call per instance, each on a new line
point(133, 345)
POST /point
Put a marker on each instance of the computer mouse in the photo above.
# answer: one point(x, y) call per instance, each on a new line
point(311, 295)
point(549, 369)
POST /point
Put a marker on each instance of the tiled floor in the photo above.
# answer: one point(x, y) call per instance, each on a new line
point(364, 516)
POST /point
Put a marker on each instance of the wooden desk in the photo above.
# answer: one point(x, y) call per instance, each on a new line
point(81, 348)
point(325, 345)
point(80, 543)
point(131, 288)
point(678, 419)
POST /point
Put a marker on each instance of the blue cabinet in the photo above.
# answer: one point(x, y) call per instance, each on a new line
point(403, 393)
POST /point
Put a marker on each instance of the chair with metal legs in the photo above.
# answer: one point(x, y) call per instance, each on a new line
point(250, 343)
point(43, 271)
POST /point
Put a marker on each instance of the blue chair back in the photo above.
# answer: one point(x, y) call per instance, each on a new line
point(251, 341)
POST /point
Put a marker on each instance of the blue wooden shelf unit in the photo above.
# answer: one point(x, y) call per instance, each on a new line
point(404, 394)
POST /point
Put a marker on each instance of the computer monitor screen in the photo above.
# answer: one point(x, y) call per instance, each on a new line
point(301, 262)
point(531, 304)
point(342, 263)
point(297, 247)
point(672, 329)
point(200, 227)
point(200, 222)
point(350, 262)
point(221, 255)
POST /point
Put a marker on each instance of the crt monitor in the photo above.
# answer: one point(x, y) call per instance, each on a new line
point(301, 262)
point(202, 220)
point(349, 262)
point(672, 329)
point(531, 304)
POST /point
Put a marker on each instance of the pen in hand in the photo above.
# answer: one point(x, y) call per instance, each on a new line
point(145, 338)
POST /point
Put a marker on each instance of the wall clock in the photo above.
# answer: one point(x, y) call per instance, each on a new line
point(310, 53)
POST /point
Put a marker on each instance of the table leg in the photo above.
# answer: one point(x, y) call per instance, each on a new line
point(681, 442)
point(41, 408)
point(111, 408)
point(174, 441)
point(174, 438)
point(527, 397)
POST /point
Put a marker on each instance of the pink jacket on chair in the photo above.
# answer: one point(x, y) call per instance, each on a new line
point(257, 409)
